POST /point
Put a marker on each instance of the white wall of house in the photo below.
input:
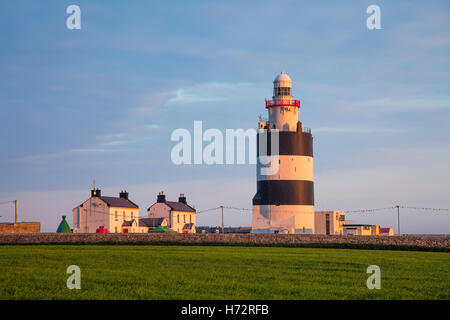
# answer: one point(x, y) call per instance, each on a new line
point(161, 210)
point(94, 213)
point(175, 219)
point(118, 215)
point(180, 218)
point(89, 216)
point(362, 230)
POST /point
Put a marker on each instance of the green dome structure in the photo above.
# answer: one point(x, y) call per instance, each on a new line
point(64, 226)
point(162, 229)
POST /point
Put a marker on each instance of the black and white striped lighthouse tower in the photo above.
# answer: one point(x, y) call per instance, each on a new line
point(284, 201)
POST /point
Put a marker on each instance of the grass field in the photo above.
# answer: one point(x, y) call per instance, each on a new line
point(219, 272)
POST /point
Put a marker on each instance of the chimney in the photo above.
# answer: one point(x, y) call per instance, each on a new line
point(96, 193)
point(161, 197)
point(123, 194)
point(182, 198)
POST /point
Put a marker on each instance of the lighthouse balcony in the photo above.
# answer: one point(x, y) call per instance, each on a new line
point(282, 103)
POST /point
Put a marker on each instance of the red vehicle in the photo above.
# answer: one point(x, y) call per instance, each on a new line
point(102, 229)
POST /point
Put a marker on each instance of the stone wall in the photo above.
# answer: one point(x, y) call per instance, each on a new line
point(21, 227)
point(441, 242)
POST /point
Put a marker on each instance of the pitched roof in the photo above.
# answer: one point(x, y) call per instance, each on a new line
point(128, 223)
point(179, 206)
point(150, 222)
point(119, 202)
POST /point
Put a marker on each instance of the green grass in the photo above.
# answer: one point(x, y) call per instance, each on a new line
point(219, 272)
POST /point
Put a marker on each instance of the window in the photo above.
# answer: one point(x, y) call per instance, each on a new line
point(184, 218)
point(132, 216)
point(282, 91)
point(178, 218)
point(116, 217)
point(190, 218)
point(124, 215)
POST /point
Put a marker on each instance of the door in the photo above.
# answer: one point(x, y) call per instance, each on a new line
point(327, 224)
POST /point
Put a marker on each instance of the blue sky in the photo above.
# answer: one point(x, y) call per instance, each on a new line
point(101, 102)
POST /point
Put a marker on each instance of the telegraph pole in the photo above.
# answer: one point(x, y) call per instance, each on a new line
point(223, 230)
point(15, 211)
point(398, 218)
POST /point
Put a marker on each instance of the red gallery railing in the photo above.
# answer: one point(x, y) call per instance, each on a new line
point(282, 103)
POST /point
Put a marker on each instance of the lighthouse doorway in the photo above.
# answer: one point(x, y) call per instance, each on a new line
point(327, 224)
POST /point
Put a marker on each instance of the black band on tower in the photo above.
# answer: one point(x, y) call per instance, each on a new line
point(291, 143)
point(284, 192)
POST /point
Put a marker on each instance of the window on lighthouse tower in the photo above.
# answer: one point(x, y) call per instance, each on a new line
point(282, 91)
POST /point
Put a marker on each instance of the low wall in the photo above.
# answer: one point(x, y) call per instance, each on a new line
point(21, 227)
point(419, 241)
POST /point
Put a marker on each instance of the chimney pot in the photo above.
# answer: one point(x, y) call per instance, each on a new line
point(182, 198)
point(96, 193)
point(161, 197)
point(123, 194)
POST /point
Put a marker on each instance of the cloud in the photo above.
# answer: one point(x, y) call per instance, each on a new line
point(344, 130)
point(152, 103)
point(401, 104)
point(206, 92)
point(97, 150)
point(151, 127)
point(190, 95)
point(106, 143)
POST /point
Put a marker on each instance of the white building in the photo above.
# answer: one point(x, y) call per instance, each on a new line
point(108, 212)
point(329, 222)
point(361, 229)
point(179, 215)
point(386, 231)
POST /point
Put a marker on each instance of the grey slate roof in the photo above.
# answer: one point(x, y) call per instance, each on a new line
point(179, 206)
point(128, 223)
point(150, 222)
point(119, 202)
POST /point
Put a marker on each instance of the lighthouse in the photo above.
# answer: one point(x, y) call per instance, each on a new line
point(284, 200)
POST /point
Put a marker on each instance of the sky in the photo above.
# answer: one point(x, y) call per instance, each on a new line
point(102, 102)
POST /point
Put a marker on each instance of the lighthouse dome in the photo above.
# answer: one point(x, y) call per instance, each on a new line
point(282, 80)
point(282, 85)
